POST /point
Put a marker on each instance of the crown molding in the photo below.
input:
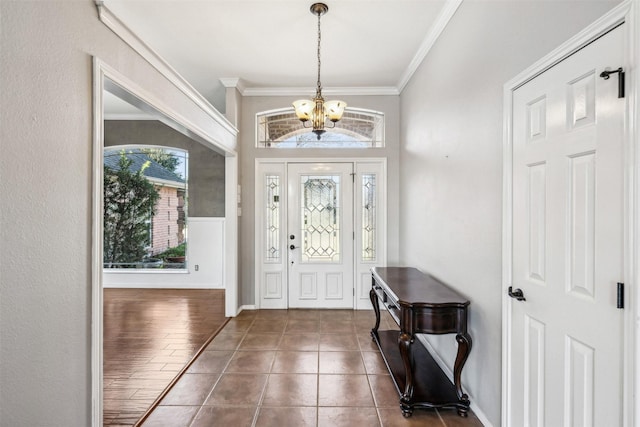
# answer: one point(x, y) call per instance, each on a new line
point(118, 27)
point(448, 10)
point(442, 20)
point(109, 19)
point(137, 117)
point(235, 82)
point(308, 91)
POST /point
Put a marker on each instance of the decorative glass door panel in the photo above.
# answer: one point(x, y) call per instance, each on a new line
point(320, 237)
point(320, 218)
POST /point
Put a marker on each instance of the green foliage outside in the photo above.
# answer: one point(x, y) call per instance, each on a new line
point(129, 202)
point(168, 160)
point(173, 252)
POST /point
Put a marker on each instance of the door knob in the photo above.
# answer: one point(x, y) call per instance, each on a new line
point(292, 237)
point(517, 294)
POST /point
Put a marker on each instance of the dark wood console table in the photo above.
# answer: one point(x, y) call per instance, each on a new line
point(420, 303)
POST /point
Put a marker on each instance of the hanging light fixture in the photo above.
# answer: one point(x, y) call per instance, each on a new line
point(317, 110)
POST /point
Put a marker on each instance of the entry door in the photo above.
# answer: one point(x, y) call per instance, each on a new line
point(320, 235)
point(567, 336)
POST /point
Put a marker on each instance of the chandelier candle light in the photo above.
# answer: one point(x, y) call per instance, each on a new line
point(317, 110)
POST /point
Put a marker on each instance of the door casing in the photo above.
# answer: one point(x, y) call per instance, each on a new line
point(361, 270)
point(629, 13)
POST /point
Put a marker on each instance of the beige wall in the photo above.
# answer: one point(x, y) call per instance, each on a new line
point(389, 105)
point(46, 186)
point(451, 161)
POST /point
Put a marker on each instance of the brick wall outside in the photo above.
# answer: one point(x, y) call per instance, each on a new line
point(165, 222)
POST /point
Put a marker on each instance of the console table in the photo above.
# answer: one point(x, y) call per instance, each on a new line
point(419, 303)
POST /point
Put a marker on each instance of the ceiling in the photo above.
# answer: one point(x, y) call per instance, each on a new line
point(270, 45)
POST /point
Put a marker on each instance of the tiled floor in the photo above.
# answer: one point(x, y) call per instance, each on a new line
point(293, 368)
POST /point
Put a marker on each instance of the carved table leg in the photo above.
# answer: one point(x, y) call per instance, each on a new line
point(404, 343)
point(464, 347)
point(376, 308)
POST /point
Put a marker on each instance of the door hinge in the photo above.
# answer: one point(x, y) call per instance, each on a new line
point(606, 74)
point(353, 236)
point(620, 299)
point(353, 177)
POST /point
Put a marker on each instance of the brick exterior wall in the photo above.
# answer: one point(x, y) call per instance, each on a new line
point(168, 222)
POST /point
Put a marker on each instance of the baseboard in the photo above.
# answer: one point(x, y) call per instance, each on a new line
point(245, 307)
point(474, 407)
point(161, 286)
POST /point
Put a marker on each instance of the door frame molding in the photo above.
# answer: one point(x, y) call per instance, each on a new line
point(199, 130)
point(285, 161)
point(628, 13)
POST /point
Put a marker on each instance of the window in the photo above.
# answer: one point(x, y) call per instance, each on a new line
point(138, 180)
point(358, 128)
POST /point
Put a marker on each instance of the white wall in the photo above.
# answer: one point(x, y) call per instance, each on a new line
point(45, 214)
point(205, 263)
point(451, 161)
point(389, 105)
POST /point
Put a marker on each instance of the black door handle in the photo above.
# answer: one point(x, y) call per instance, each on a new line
point(517, 294)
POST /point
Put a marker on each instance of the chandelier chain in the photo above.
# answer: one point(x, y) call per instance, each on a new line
point(315, 113)
point(319, 87)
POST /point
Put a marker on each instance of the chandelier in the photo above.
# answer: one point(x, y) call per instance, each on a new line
point(317, 110)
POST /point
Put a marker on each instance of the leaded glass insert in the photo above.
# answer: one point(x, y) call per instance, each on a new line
point(272, 218)
point(320, 215)
point(368, 217)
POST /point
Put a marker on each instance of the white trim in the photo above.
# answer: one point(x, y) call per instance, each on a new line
point(121, 86)
point(258, 216)
point(102, 72)
point(131, 38)
point(309, 92)
point(435, 30)
point(631, 399)
point(125, 116)
point(97, 246)
point(605, 23)
point(230, 271)
point(233, 82)
point(625, 12)
point(248, 307)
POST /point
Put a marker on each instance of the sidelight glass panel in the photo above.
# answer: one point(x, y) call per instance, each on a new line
point(272, 216)
point(320, 218)
point(368, 217)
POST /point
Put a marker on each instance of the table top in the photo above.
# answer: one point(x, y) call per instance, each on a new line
point(411, 287)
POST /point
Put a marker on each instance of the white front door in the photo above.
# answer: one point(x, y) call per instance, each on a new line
point(320, 235)
point(566, 338)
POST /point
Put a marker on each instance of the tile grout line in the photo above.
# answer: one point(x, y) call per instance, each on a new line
point(221, 374)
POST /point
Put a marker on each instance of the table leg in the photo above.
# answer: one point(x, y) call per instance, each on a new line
point(404, 343)
point(376, 308)
point(464, 348)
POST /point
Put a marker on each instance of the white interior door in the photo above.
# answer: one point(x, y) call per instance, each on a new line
point(566, 339)
point(320, 235)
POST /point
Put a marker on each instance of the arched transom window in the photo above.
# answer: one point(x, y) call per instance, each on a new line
point(358, 128)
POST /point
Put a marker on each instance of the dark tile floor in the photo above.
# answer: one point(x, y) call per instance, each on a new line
point(294, 368)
